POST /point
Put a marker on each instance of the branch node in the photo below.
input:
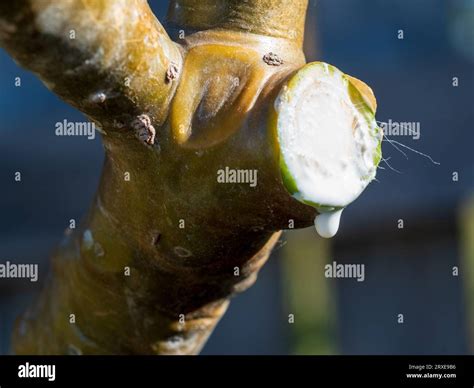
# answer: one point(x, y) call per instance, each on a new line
point(143, 129)
point(172, 72)
point(272, 59)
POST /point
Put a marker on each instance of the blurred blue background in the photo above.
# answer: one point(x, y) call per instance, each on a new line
point(409, 271)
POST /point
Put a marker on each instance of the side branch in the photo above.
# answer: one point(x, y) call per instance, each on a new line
point(107, 58)
point(276, 18)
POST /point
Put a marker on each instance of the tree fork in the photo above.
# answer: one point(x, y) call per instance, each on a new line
point(166, 242)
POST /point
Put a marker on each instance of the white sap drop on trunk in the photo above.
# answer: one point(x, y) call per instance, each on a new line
point(327, 224)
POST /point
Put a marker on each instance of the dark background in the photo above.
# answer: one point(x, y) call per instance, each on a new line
point(408, 271)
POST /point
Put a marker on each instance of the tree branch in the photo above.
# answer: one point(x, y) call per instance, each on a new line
point(276, 18)
point(108, 58)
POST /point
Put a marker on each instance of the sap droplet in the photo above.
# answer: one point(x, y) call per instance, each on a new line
point(327, 223)
point(98, 98)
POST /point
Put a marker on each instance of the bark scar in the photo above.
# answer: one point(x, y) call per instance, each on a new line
point(172, 72)
point(144, 130)
point(272, 59)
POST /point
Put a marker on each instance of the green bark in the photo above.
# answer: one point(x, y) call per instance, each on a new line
point(136, 279)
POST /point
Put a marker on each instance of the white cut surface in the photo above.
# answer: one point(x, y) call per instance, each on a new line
point(327, 144)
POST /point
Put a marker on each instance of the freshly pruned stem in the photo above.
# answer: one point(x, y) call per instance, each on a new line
point(165, 244)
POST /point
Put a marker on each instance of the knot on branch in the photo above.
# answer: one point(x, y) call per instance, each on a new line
point(172, 72)
point(144, 130)
point(272, 59)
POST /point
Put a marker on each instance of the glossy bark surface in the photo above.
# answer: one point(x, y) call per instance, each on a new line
point(153, 265)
